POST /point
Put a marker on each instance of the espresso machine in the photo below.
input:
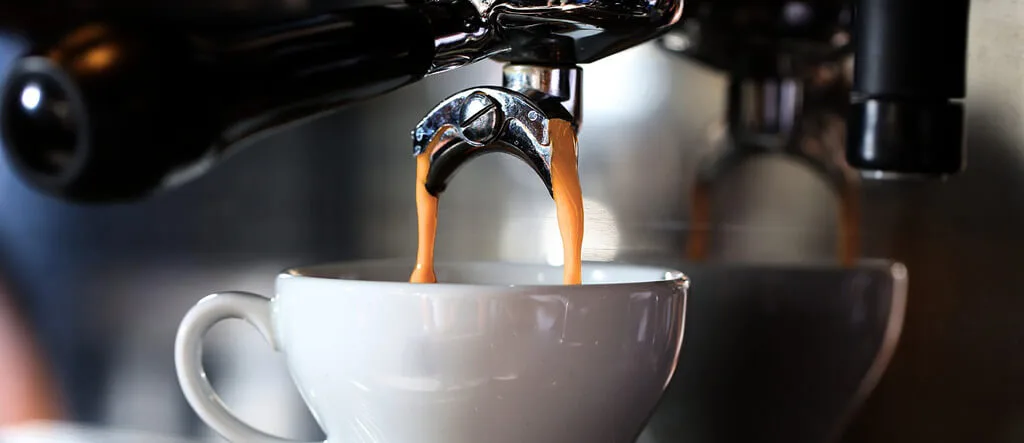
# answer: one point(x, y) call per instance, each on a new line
point(82, 105)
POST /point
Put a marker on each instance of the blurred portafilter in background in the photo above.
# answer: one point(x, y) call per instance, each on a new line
point(905, 115)
point(799, 118)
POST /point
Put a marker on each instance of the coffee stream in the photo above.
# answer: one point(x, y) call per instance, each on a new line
point(426, 217)
point(565, 188)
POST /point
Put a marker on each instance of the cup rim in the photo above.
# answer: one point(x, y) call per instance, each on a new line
point(322, 272)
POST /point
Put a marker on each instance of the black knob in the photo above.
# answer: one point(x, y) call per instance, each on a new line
point(907, 115)
point(120, 108)
point(906, 138)
point(44, 126)
point(98, 116)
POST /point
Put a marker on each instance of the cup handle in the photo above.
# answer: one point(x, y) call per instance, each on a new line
point(188, 351)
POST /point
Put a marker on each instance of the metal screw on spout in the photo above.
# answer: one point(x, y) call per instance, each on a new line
point(481, 119)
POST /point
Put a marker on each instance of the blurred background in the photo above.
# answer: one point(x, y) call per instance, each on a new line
point(103, 288)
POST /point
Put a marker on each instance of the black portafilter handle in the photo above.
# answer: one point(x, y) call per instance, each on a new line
point(113, 110)
point(907, 115)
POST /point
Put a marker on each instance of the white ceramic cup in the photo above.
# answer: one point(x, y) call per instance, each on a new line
point(498, 353)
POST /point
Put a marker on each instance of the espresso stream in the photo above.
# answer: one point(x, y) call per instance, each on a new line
point(565, 188)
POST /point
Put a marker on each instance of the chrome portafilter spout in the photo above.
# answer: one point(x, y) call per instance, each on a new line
point(513, 119)
point(542, 84)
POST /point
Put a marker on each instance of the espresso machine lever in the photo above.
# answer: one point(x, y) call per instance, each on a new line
point(112, 106)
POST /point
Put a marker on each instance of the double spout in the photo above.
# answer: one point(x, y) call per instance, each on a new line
point(513, 119)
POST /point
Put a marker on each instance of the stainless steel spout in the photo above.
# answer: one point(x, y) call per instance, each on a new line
point(483, 120)
point(567, 32)
point(560, 84)
point(512, 119)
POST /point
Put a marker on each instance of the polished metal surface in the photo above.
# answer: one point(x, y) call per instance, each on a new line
point(108, 285)
point(566, 32)
point(564, 84)
point(469, 43)
point(766, 110)
point(478, 121)
point(481, 119)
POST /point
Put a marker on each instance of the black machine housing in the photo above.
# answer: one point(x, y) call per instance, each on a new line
point(114, 100)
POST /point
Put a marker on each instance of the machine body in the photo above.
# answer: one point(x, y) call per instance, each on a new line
point(111, 103)
point(113, 106)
